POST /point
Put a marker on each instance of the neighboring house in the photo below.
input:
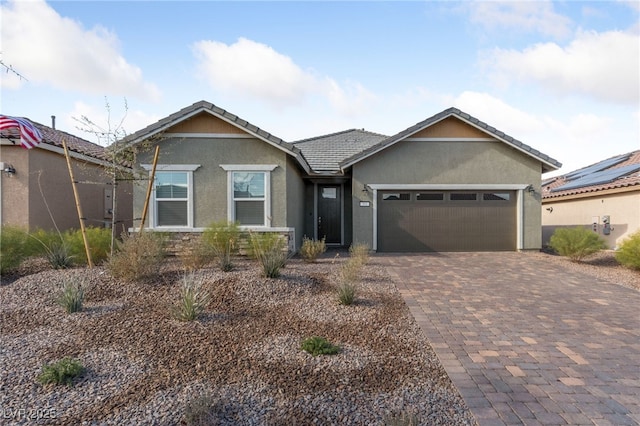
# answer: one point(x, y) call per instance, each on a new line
point(448, 183)
point(36, 190)
point(604, 197)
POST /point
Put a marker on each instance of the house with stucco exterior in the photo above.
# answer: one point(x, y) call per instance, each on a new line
point(448, 183)
point(604, 197)
point(36, 190)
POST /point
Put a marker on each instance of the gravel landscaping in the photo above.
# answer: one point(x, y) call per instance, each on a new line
point(242, 357)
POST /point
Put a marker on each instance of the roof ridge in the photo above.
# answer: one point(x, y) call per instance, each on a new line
point(328, 135)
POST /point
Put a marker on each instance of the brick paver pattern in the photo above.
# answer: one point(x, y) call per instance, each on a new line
point(526, 341)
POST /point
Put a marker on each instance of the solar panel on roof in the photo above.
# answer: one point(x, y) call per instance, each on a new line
point(605, 164)
point(598, 178)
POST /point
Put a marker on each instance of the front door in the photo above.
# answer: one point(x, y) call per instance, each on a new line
point(329, 214)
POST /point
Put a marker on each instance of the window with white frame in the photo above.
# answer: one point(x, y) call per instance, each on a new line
point(249, 194)
point(172, 198)
point(172, 203)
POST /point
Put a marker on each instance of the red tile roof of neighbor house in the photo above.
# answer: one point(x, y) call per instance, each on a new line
point(54, 137)
point(618, 172)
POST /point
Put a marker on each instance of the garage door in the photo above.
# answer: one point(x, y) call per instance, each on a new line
point(419, 221)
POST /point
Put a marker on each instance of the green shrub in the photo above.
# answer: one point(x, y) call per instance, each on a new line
point(99, 240)
point(222, 240)
point(360, 252)
point(138, 256)
point(628, 253)
point(319, 346)
point(311, 249)
point(193, 299)
point(576, 243)
point(58, 256)
point(61, 372)
point(270, 249)
point(71, 296)
point(13, 248)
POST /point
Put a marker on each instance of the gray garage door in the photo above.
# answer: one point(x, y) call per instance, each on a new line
point(419, 221)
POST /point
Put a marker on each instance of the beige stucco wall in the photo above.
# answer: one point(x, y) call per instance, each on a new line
point(210, 180)
point(623, 209)
point(41, 188)
point(447, 162)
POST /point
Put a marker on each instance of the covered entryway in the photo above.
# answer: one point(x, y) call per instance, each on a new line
point(423, 221)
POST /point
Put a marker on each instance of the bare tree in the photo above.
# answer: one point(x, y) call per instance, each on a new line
point(120, 156)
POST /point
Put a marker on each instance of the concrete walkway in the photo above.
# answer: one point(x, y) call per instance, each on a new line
point(525, 341)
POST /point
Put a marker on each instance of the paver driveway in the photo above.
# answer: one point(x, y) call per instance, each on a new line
point(526, 341)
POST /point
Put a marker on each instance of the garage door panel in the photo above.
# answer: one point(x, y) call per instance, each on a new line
point(487, 223)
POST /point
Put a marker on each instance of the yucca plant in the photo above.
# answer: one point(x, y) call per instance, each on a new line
point(193, 301)
point(71, 296)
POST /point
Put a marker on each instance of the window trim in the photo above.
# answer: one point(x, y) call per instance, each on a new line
point(249, 168)
point(180, 168)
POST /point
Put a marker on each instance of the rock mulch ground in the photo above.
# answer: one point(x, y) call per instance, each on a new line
point(243, 354)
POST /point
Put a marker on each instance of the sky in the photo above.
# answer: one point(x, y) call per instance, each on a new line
point(560, 76)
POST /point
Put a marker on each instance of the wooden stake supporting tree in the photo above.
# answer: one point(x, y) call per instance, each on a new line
point(78, 206)
point(149, 187)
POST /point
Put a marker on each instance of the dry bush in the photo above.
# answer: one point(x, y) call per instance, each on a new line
point(311, 249)
point(138, 256)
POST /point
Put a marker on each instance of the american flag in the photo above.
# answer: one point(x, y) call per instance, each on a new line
point(30, 136)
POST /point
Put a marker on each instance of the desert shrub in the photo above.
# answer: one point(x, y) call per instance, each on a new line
point(346, 293)
point(14, 248)
point(201, 411)
point(99, 240)
point(138, 256)
point(576, 243)
point(51, 245)
point(196, 254)
point(360, 252)
point(61, 372)
point(311, 249)
point(319, 346)
point(270, 249)
point(402, 419)
point(71, 296)
point(222, 239)
point(193, 299)
point(628, 253)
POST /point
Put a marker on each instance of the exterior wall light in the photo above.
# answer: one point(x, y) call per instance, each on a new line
point(8, 168)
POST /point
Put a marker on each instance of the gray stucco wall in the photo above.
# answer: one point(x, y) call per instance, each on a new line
point(447, 162)
point(210, 180)
point(296, 206)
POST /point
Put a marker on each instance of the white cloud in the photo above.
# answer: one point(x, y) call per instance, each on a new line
point(49, 49)
point(604, 66)
point(257, 71)
point(529, 16)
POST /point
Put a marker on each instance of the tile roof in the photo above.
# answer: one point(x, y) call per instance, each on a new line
point(548, 163)
point(54, 137)
point(552, 188)
point(324, 153)
point(196, 108)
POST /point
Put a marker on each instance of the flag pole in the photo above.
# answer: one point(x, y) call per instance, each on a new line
point(78, 206)
point(150, 187)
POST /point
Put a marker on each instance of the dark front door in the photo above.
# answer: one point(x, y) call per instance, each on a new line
point(329, 217)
